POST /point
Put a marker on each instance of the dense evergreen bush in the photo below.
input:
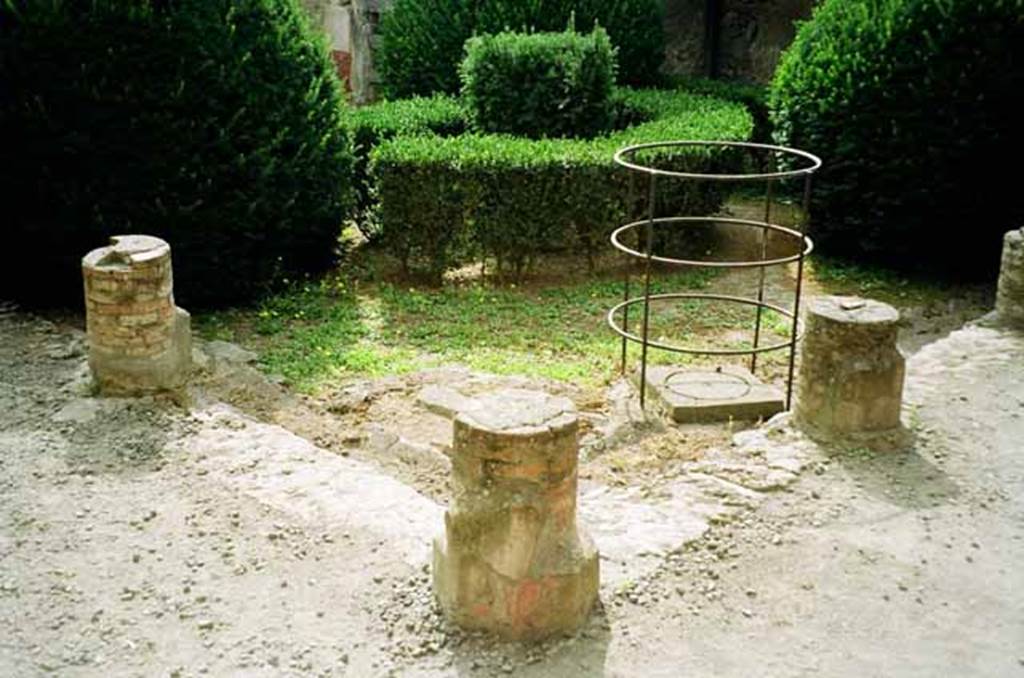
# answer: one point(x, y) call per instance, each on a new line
point(421, 41)
point(420, 46)
point(913, 106)
point(540, 84)
point(443, 200)
point(215, 124)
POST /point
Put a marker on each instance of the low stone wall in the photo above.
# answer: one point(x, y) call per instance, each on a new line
point(750, 36)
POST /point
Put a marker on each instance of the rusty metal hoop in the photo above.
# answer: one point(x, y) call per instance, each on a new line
point(625, 334)
point(806, 164)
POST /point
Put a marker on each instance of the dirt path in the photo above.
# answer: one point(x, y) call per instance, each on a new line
point(141, 537)
point(899, 565)
point(123, 553)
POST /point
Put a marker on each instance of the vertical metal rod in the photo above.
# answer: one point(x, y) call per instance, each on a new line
point(768, 196)
point(799, 290)
point(805, 206)
point(647, 288)
point(625, 317)
point(631, 200)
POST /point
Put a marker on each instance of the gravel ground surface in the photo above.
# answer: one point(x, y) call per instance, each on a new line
point(193, 537)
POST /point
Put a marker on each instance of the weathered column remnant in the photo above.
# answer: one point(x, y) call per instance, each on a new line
point(139, 341)
point(512, 559)
point(851, 371)
point(1010, 297)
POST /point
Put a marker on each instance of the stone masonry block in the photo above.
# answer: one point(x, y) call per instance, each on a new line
point(1010, 296)
point(851, 374)
point(139, 341)
point(512, 559)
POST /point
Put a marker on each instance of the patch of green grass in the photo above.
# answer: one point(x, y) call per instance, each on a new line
point(845, 278)
point(317, 332)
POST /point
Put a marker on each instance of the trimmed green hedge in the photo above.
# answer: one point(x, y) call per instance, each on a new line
point(914, 107)
point(214, 124)
point(754, 97)
point(540, 84)
point(371, 125)
point(444, 200)
point(421, 41)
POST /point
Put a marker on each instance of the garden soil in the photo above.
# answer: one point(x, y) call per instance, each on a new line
point(241, 530)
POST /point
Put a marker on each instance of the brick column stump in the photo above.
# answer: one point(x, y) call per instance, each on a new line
point(512, 560)
point(139, 341)
point(850, 382)
point(1010, 297)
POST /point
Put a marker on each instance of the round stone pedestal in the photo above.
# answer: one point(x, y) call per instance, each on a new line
point(850, 381)
point(1010, 297)
point(139, 341)
point(512, 560)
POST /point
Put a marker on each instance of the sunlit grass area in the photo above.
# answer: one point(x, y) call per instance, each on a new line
point(361, 322)
point(317, 332)
point(841, 277)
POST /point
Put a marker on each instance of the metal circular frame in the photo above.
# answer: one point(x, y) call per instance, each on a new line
point(802, 244)
point(625, 334)
point(760, 263)
point(622, 155)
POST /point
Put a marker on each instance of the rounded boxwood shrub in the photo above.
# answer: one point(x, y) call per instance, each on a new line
point(214, 124)
point(421, 41)
point(913, 106)
point(443, 200)
point(540, 84)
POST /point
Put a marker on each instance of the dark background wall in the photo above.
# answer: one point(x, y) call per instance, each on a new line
point(743, 42)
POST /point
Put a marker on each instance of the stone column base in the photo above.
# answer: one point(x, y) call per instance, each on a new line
point(512, 560)
point(1010, 297)
point(117, 374)
point(139, 341)
point(476, 596)
point(850, 384)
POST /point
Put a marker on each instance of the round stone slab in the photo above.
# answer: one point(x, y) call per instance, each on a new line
point(707, 385)
point(126, 250)
point(694, 395)
point(853, 310)
point(518, 412)
point(513, 435)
